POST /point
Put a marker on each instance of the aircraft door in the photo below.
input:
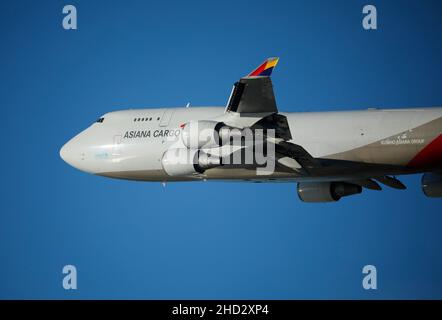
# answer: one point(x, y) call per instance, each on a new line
point(116, 149)
point(165, 119)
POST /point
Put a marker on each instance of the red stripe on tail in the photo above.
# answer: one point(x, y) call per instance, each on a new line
point(430, 155)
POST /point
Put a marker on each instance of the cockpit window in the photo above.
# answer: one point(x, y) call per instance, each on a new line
point(100, 120)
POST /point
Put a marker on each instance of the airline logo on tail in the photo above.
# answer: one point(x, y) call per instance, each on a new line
point(265, 69)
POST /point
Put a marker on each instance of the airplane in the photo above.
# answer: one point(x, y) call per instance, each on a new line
point(329, 155)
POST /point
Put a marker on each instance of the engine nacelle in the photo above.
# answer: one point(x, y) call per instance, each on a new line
point(209, 134)
point(187, 162)
point(432, 185)
point(326, 191)
point(201, 134)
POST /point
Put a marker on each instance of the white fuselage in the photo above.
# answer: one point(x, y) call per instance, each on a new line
point(130, 144)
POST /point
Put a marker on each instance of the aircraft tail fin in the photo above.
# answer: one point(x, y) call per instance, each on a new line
point(265, 69)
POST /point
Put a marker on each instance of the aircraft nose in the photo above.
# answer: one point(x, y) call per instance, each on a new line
point(74, 154)
point(66, 154)
point(78, 153)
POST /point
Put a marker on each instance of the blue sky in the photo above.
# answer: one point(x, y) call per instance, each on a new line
point(207, 240)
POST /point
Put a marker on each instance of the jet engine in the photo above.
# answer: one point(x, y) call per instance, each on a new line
point(185, 162)
point(207, 134)
point(199, 134)
point(326, 191)
point(432, 184)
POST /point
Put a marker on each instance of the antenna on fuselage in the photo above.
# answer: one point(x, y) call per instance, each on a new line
point(188, 105)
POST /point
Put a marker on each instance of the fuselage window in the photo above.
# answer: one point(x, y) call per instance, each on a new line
point(150, 119)
point(158, 118)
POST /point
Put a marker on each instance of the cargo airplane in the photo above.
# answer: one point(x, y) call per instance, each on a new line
point(329, 155)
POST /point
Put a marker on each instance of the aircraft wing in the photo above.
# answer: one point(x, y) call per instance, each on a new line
point(254, 93)
point(253, 96)
point(370, 183)
point(299, 154)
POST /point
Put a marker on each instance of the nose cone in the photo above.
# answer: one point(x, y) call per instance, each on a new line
point(74, 153)
point(66, 154)
point(70, 154)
